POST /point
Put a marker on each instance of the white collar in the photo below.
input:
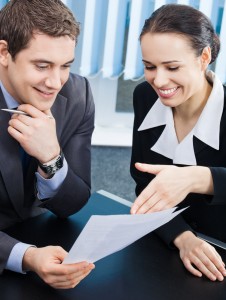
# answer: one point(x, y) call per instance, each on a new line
point(207, 129)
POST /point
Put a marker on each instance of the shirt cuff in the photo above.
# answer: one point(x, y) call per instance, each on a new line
point(15, 260)
point(47, 188)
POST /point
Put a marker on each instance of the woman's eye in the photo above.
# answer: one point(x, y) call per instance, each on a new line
point(149, 67)
point(173, 68)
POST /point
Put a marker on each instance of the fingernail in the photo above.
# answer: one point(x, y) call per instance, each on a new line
point(133, 210)
point(220, 278)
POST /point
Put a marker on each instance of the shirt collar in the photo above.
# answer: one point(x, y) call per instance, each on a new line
point(206, 131)
point(10, 101)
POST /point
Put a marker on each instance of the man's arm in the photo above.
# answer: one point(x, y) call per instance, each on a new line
point(75, 141)
point(6, 245)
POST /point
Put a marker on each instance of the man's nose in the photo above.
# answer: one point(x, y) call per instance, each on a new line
point(54, 81)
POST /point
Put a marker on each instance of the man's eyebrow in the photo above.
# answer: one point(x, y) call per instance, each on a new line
point(69, 62)
point(164, 62)
point(50, 62)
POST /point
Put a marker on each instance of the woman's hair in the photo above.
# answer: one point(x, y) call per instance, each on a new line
point(186, 21)
point(20, 19)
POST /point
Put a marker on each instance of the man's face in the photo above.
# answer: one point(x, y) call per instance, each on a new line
point(38, 72)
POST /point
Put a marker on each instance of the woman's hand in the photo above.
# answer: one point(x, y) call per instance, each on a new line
point(170, 186)
point(199, 257)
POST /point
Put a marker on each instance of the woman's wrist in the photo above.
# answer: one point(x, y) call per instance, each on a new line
point(179, 240)
point(201, 181)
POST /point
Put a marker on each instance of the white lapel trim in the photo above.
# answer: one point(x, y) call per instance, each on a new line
point(208, 132)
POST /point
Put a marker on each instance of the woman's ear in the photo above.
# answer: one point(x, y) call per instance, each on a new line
point(206, 57)
point(4, 53)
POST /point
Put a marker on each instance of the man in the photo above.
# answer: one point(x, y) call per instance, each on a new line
point(37, 42)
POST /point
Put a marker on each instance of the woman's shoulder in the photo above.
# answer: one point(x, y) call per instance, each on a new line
point(224, 87)
point(144, 96)
point(145, 89)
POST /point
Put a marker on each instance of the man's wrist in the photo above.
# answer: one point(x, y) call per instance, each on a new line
point(28, 259)
point(52, 166)
point(15, 259)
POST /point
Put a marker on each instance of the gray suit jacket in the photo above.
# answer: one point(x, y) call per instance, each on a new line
point(73, 111)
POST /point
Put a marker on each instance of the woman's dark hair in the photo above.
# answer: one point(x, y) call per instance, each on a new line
point(187, 21)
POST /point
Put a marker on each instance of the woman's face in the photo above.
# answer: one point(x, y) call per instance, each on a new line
point(172, 67)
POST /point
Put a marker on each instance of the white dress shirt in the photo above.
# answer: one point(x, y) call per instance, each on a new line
point(207, 128)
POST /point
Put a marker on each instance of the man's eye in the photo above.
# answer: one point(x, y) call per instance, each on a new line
point(41, 67)
point(66, 66)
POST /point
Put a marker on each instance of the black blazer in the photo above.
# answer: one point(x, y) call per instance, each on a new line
point(73, 111)
point(206, 214)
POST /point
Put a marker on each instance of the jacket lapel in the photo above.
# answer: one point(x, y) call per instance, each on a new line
point(58, 110)
point(10, 162)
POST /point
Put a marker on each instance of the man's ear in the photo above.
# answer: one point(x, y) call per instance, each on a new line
point(206, 57)
point(4, 53)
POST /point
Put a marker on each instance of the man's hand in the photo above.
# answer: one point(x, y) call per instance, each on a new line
point(199, 257)
point(36, 133)
point(47, 263)
point(170, 186)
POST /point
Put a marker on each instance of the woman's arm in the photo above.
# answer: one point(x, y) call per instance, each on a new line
point(170, 186)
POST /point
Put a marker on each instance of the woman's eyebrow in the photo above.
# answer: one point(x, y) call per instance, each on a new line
point(164, 62)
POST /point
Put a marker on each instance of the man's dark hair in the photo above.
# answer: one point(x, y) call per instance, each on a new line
point(21, 19)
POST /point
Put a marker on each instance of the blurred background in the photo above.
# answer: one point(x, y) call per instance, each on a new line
point(108, 54)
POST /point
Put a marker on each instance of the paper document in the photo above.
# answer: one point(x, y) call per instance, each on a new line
point(104, 235)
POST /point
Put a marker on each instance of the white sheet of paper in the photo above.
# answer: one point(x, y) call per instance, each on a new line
point(104, 235)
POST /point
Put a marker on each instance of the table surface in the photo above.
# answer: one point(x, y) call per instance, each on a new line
point(147, 269)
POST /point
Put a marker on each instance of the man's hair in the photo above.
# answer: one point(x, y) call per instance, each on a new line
point(21, 19)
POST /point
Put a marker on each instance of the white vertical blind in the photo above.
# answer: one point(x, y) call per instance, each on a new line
point(186, 2)
point(140, 10)
point(206, 7)
point(78, 8)
point(220, 68)
point(159, 3)
point(93, 34)
point(114, 39)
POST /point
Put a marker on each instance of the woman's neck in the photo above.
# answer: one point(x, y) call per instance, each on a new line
point(193, 107)
point(187, 114)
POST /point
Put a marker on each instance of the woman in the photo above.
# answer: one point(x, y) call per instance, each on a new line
point(179, 134)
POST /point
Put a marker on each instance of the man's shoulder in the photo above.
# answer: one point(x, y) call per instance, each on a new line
point(75, 97)
point(75, 85)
